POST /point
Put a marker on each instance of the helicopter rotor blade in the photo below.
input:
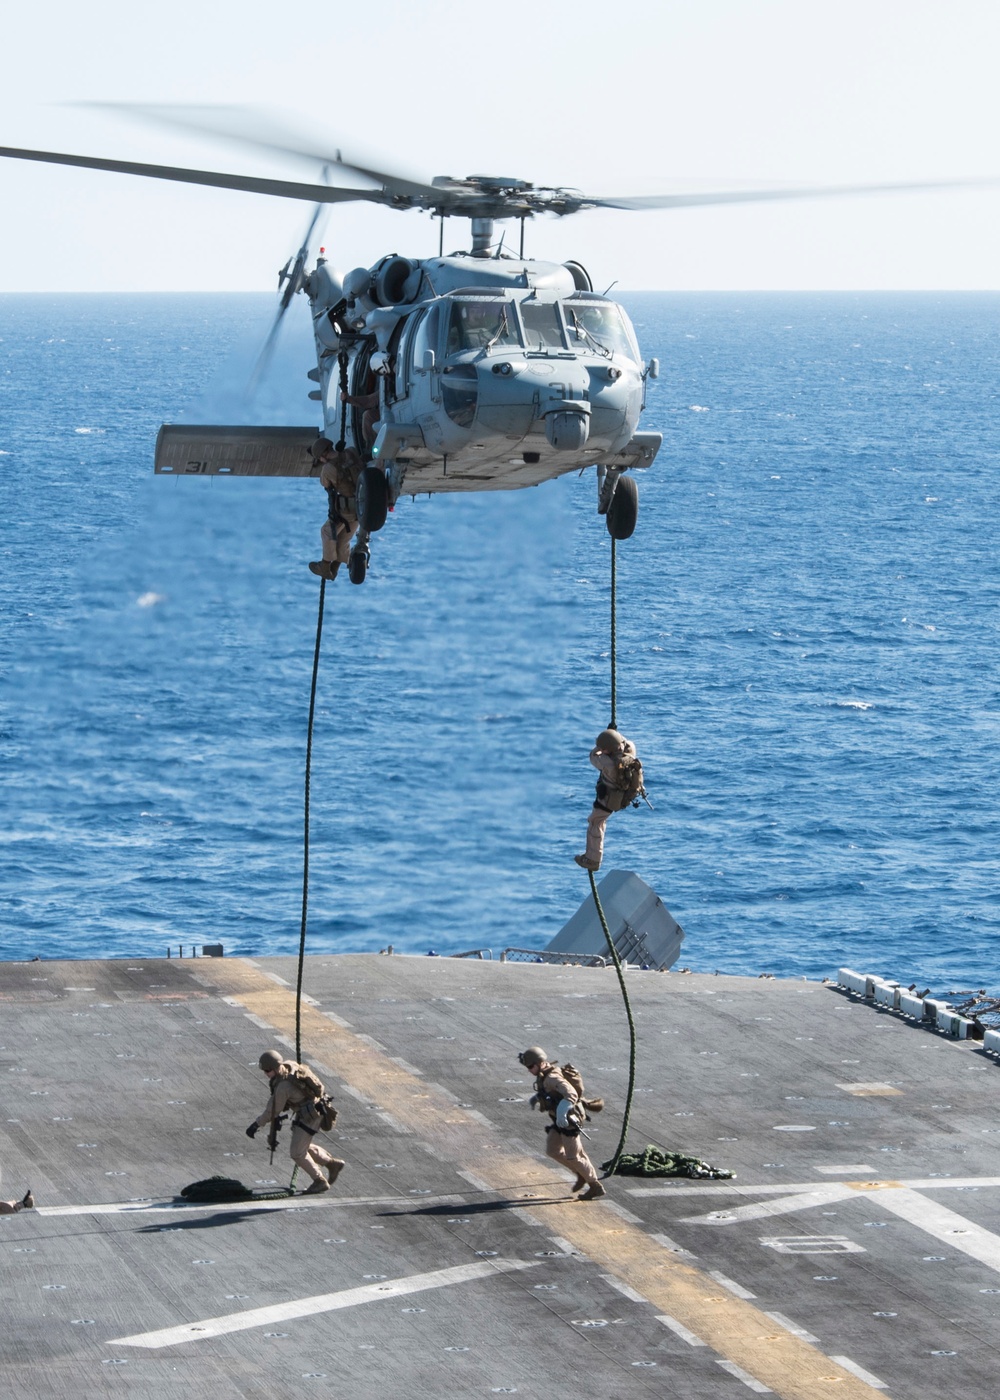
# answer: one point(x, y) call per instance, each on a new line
point(249, 126)
point(285, 189)
point(290, 281)
point(694, 199)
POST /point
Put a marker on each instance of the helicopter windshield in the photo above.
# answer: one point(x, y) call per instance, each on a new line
point(601, 327)
point(541, 326)
point(480, 325)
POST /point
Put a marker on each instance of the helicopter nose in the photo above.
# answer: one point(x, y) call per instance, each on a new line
point(567, 430)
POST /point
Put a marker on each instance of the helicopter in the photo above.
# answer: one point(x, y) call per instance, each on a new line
point(479, 370)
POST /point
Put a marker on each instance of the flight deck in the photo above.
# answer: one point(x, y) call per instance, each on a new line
point(856, 1252)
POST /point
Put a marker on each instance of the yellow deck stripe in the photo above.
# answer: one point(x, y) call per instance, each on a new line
point(733, 1327)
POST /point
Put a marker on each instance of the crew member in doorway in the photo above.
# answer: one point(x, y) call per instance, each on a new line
point(619, 785)
point(27, 1202)
point(370, 408)
point(295, 1089)
point(563, 1102)
point(339, 473)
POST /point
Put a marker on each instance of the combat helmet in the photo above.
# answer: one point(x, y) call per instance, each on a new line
point(609, 739)
point(270, 1060)
point(534, 1055)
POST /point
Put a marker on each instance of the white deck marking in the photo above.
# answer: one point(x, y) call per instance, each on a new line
point(624, 1289)
point(819, 1195)
point(622, 1213)
point(680, 1330)
point(903, 1198)
point(727, 1188)
point(321, 1303)
point(284, 1203)
point(744, 1376)
point(954, 1183)
point(476, 1181)
point(851, 1169)
point(793, 1327)
point(672, 1245)
point(767, 1188)
point(943, 1224)
point(860, 1372)
point(735, 1288)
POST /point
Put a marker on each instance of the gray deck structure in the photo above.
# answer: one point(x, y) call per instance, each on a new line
point(857, 1252)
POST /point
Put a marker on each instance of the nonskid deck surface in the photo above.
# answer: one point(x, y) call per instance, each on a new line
point(857, 1252)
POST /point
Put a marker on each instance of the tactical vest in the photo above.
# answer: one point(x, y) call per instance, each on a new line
point(626, 786)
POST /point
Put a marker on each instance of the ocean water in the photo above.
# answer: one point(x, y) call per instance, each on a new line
point(808, 654)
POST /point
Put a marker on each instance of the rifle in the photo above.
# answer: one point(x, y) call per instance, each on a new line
point(272, 1137)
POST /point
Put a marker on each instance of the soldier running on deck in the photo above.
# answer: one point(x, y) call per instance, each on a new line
point(295, 1088)
point(557, 1097)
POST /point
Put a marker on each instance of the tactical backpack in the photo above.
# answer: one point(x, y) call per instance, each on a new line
point(313, 1088)
point(574, 1079)
point(627, 787)
point(630, 779)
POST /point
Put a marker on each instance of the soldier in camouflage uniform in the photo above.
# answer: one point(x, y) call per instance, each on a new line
point(555, 1096)
point(287, 1095)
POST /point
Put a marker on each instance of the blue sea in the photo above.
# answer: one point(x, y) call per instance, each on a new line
point(808, 653)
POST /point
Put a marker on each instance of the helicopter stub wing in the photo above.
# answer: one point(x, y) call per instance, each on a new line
point(202, 450)
point(639, 451)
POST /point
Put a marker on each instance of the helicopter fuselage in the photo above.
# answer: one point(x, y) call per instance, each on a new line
point(471, 374)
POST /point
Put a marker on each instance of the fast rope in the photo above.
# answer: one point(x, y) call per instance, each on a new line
point(614, 639)
point(225, 1188)
point(611, 1166)
point(305, 824)
point(305, 836)
point(653, 1161)
point(342, 362)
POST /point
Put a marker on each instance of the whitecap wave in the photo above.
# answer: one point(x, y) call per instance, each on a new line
point(852, 705)
point(150, 600)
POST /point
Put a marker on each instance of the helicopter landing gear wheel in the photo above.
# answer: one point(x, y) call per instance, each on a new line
point(623, 512)
point(357, 565)
point(372, 496)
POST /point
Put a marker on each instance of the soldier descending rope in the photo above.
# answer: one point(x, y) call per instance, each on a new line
point(619, 786)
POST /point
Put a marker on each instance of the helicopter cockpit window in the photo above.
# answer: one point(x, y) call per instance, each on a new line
point(424, 336)
point(481, 325)
point(541, 326)
point(599, 327)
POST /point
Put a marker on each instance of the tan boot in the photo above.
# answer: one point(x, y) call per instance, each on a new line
point(579, 1183)
point(583, 861)
point(595, 1193)
point(334, 1168)
point(322, 569)
point(319, 1186)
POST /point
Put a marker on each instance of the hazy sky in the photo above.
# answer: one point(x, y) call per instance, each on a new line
point(630, 97)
